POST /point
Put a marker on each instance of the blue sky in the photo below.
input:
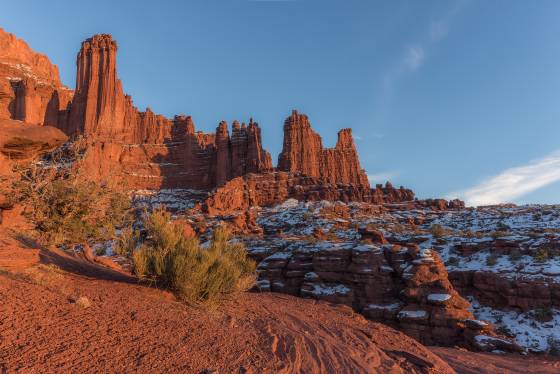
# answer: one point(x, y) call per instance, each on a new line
point(449, 98)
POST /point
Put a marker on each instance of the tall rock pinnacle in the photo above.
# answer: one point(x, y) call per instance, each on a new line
point(99, 102)
point(303, 153)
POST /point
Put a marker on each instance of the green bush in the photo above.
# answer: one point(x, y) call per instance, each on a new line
point(127, 242)
point(499, 234)
point(196, 274)
point(65, 207)
point(515, 255)
point(553, 346)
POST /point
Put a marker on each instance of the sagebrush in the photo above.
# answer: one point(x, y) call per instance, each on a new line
point(196, 274)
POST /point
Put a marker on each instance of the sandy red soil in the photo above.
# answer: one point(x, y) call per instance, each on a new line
point(61, 313)
point(46, 326)
point(465, 362)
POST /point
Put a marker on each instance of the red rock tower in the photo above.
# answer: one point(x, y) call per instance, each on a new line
point(302, 147)
point(223, 155)
point(303, 153)
point(99, 103)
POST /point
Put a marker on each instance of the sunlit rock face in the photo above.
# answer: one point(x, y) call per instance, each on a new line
point(30, 87)
point(303, 153)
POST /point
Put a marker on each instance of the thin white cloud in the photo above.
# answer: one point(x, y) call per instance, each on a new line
point(414, 57)
point(513, 183)
point(416, 54)
point(382, 177)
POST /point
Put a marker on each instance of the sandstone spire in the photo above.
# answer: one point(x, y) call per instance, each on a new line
point(223, 155)
point(99, 103)
point(258, 160)
point(303, 153)
point(302, 147)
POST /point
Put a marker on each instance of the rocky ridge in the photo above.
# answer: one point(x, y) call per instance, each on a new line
point(143, 150)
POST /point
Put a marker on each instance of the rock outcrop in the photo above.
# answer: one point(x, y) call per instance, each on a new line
point(30, 87)
point(267, 189)
point(303, 153)
point(501, 291)
point(405, 287)
point(22, 142)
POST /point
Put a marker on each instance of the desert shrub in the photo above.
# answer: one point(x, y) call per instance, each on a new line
point(491, 260)
point(83, 302)
point(543, 314)
point(504, 330)
point(537, 217)
point(452, 261)
point(101, 251)
point(196, 274)
point(127, 241)
point(499, 233)
point(501, 226)
point(515, 255)
point(438, 231)
point(72, 210)
point(541, 255)
point(553, 346)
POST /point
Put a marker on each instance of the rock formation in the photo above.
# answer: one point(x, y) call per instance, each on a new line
point(30, 87)
point(22, 142)
point(405, 287)
point(144, 150)
point(303, 153)
point(266, 189)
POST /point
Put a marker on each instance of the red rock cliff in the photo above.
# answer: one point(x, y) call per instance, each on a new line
point(30, 87)
point(303, 153)
point(147, 150)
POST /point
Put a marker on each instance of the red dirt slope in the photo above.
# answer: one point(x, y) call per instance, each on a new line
point(465, 362)
point(78, 317)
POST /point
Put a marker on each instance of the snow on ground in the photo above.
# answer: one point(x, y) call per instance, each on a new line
point(172, 199)
point(528, 331)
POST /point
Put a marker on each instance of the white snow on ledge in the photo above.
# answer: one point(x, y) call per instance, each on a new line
point(394, 306)
point(439, 297)
point(340, 289)
point(415, 314)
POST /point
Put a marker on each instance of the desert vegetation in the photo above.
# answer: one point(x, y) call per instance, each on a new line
point(197, 274)
point(66, 207)
point(71, 210)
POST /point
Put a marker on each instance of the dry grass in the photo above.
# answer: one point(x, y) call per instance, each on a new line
point(438, 231)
